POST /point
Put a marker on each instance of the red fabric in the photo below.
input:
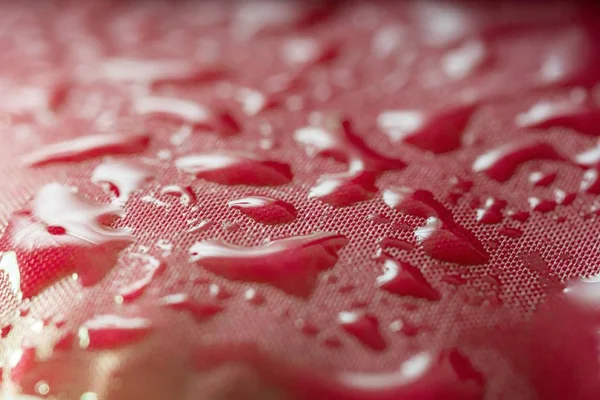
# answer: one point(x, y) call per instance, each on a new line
point(353, 200)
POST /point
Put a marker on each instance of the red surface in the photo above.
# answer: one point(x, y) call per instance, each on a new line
point(292, 200)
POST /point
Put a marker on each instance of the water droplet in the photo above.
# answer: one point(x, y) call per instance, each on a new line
point(307, 51)
point(254, 102)
point(441, 237)
point(378, 218)
point(187, 112)
point(403, 279)
point(402, 325)
point(364, 164)
point(501, 163)
point(157, 72)
point(185, 193)
point(151, 268)
point(387, 39)
point(491, 213)
point(539, 178)
point(432, 375)
point(332, 342)
point(182, 110)
point(255, 297)
point(452, 244)
point(590, 182)
point(86, 147)
point(87, 247)
point(122, 179)
point(510, 232)
point(454, 279)
point(65, 342)
point(111, 331)
point(230, 226)
point(200, 227)
point(541, 205)
point(573, 61)
point(438, 132)
point(266, 210)
point(218, 292)
point(388, 243)
point(563, 198)
point(306, 327)
point(21, 361)
point(199, 311)
point(5, 330)
point(344, 189)
point(235, 168)
point(292, 264)
point(573, 114)
point(589, 158)
point(520, 216)
point(464, 60)
point(364, 327)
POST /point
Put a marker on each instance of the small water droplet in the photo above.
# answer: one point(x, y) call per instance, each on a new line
point(255, 297)
point(403, 279)
point(218, 292)
point(402, 325)
point(541, 205)
point(123, 179)
point(491, 213)
point(199, 311)
point(306, 327)
point(185, 193)
point(510, 232)
point(364, 327)
point(520, 216)
point(378, 218)
point(266, 210)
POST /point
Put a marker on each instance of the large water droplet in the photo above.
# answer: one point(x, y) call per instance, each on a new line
point(501, 163)
point(291, 264)
point(86, 147)
point(438, 132)
point(573, 114)
point(185, 111)
point(60, 236)
point(266, 210)
point(188, 112)
point(156, 71)
point(235, 169)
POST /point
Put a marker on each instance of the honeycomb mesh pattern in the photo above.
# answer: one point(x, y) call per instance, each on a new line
point(53, 41)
